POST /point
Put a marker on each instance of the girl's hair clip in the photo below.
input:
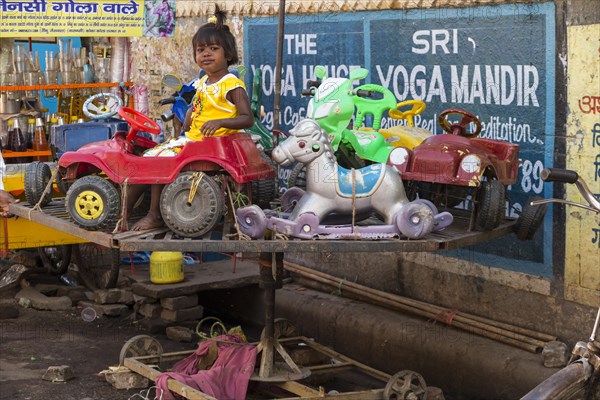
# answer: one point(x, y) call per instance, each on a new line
point(212, 20)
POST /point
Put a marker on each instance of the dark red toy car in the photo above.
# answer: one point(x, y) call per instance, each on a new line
point(447, 168)
point(192, 201)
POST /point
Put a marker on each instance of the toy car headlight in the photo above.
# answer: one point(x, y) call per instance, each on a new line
point(470, 164)
point(324, 109)
point(398, 156)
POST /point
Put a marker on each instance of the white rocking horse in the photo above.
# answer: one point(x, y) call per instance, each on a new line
point(331, 188)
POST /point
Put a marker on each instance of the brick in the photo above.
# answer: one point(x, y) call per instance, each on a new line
point(150, 310)
point(186, 314)
point(113, 296)
point(179, 302)
point(555, 354)
point(75, 293)
point(179, 334)
point(126, 380)
point(143, 299)
point(12, 278)
point(41, 302)
point(58, 373)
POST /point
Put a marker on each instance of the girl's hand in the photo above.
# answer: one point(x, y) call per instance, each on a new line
point(187, 124)
point(210, 127)
point(6, 199)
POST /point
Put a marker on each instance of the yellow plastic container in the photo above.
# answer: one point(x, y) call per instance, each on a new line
point(166, 267)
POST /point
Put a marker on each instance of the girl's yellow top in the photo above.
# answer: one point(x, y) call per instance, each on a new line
point(210, 102)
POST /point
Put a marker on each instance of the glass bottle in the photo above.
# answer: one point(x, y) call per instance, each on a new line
point(30, 133)
point(9, 136)
point(40, 143)
point(18, 143)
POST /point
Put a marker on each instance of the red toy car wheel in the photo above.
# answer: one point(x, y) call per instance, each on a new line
point(490, 204)
point(93, 203)
point(195, 215)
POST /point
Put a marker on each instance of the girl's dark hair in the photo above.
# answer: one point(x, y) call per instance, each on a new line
point(217, 33)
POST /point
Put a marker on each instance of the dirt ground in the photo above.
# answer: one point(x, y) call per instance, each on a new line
point(37, 340)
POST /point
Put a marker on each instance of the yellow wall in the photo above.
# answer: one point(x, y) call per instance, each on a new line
point(582, 263)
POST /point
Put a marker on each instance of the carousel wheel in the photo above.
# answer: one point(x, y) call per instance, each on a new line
point(140, 345)
point(405, 385)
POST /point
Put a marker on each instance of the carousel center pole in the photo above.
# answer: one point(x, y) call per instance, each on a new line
point(270, 279)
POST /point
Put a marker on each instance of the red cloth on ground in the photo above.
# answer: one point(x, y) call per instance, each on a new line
point(228, 377)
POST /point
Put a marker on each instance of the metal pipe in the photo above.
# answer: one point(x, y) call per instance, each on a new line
point(278, 64)
point(509, 336)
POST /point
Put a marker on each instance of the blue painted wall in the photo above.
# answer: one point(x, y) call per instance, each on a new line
point(496, 62)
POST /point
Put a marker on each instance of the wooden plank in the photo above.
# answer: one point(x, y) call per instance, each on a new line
point(330, 368)
point(199, 277)
point(362, 367)
point(455, 236)
point(175, 386)
point(299, 389)
point(25, 211)
point(375, 394)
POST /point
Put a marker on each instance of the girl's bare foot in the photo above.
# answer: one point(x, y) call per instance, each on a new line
point(150, 221)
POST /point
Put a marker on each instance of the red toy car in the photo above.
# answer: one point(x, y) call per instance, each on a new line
point(192, 201)
point(443, 168)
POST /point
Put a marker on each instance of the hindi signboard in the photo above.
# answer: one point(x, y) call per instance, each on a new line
point(35, 18)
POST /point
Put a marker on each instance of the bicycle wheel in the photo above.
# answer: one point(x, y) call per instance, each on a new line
point(567, 384)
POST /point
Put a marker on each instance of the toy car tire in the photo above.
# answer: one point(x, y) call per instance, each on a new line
point(263, 190)
point(93, 203)
point(297, 177)
point(37, 176)
point(198, 217)
point(56, 259)
point(530, 219)
point(491, 198)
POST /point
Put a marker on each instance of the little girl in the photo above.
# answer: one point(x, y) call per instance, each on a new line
point(220, 106)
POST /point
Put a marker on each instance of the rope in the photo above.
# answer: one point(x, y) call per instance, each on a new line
point(241, 235)
point(213, 332)
point(47, 190)
point(446, 316)
point(122, 222)
point(197, 178)
point(279, 236)
point(146, 393)
point(356, 235)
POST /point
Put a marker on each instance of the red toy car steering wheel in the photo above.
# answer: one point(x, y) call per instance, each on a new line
point(459, 128)
point(138, 122)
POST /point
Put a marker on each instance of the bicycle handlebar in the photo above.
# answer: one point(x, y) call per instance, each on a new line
point(559, 175)
point(568, 176)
